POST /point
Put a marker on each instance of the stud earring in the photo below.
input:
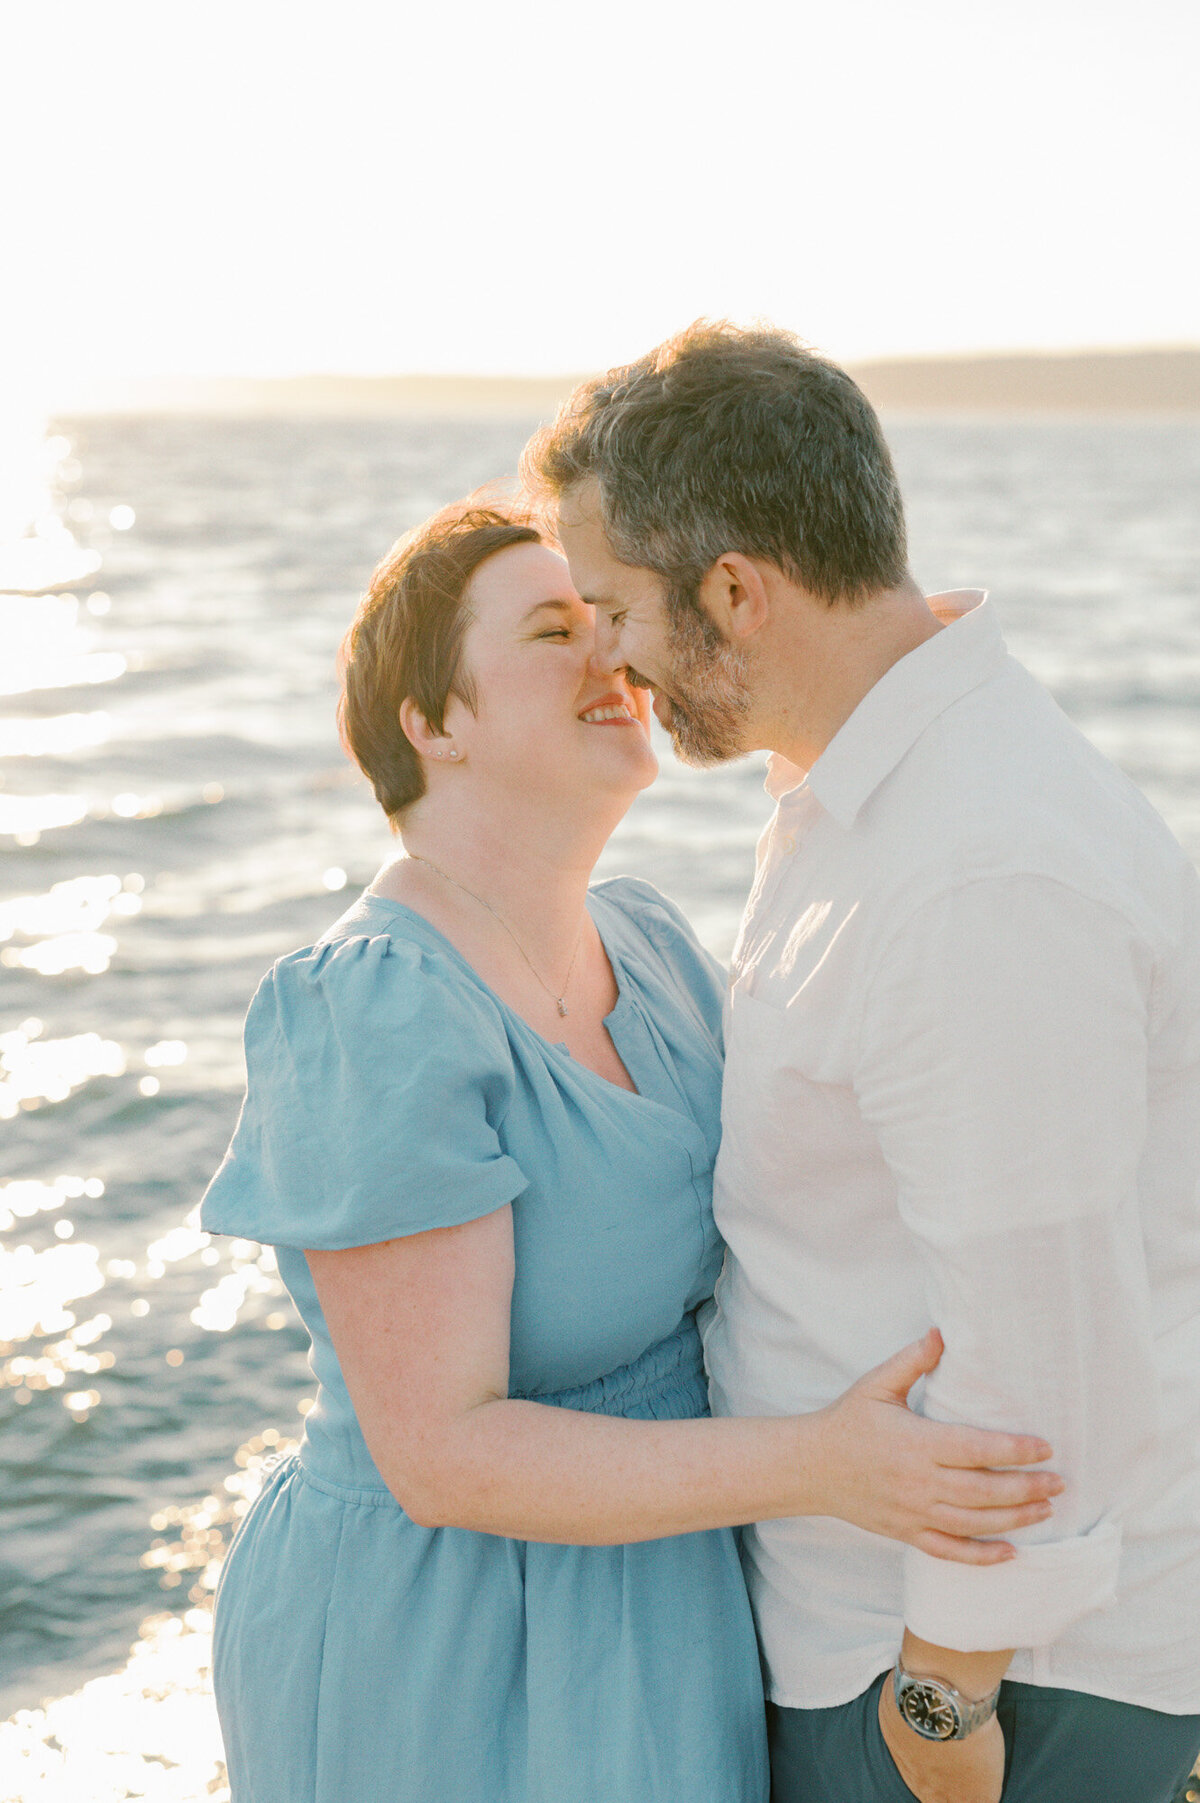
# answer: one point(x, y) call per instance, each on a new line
point(437, 754)
point(453, 753)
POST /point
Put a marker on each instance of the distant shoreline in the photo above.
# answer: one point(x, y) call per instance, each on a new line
point(1153, 381)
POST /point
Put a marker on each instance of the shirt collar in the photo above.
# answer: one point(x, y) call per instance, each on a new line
point(891, 717)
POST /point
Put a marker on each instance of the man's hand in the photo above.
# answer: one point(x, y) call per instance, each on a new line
point(955, 1771)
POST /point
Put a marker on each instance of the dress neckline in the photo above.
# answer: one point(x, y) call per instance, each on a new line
point(616, 1013)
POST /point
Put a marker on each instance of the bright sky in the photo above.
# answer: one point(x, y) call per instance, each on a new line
point(276, 186)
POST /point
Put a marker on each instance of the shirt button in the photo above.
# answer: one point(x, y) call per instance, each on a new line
point(789, 843)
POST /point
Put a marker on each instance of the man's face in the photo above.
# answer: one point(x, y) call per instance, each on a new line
point(698, 680)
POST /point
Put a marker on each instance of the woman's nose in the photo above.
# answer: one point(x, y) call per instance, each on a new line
point(604, 659)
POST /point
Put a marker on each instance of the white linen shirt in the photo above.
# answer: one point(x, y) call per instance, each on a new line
point(963, 1087)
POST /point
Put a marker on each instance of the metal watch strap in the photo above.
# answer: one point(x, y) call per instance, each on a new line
point(935, 1710)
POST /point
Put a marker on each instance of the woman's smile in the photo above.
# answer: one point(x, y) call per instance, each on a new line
point(610, 710)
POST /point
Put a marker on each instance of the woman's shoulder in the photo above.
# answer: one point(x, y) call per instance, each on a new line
point(378, 1074)
point(381, 966)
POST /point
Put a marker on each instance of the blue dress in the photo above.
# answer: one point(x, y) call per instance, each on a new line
point(359, 1657)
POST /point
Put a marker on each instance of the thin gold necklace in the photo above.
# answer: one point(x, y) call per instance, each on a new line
point(560, 1001)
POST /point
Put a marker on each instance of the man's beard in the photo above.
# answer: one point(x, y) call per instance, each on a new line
point(708, 697)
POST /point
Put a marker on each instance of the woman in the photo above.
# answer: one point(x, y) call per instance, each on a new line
point(479, 1129)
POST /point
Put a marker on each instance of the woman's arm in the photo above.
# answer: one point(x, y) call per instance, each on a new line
point(421, 1329)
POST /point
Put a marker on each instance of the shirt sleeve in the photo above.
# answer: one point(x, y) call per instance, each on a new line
point(377, 1079)
point(1003, 1066)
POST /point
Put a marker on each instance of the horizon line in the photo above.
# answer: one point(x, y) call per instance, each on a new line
point(1127, 378)
point(1139, 347)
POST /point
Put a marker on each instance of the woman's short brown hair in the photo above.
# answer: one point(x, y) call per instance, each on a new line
point(406, 640)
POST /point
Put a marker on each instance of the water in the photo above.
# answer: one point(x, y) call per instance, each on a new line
point(175, 812)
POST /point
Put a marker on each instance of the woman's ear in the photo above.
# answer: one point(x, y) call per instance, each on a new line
point(421, 736)
point(417, 729)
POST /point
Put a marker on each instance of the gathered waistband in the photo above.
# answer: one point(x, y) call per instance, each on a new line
point(664, 1383)
point(673, 1368)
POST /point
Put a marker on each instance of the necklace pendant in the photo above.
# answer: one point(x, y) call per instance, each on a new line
point(562, 1006)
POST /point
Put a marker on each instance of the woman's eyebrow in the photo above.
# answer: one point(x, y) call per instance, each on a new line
point(562, 606)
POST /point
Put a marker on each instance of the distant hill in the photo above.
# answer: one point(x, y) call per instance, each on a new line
point(1149, 381)
point(344, 397)
point(1143, 381)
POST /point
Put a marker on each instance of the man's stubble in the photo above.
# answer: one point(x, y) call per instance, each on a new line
point(708, 692)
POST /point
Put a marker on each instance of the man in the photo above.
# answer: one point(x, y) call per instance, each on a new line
point(963, 1085)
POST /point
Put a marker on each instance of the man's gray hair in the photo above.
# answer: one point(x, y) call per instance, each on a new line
point(727, 439)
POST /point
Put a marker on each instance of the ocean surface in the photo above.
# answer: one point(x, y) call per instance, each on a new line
point(175, 812)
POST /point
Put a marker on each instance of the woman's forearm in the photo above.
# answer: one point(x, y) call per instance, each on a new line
point(422, 1327)
point(531, 1471)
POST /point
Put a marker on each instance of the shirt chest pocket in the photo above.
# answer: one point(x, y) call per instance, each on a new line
point(781, 1121)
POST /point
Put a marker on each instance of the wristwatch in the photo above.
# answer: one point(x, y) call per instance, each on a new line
point(935, 1710)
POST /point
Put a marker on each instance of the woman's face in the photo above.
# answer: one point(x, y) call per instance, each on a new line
point(549, 716)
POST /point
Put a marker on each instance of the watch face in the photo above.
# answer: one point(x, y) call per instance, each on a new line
point(926, 1709)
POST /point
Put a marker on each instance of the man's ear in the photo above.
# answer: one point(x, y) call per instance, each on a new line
point(735, 596)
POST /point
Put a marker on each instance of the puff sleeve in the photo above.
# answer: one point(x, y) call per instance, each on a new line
point(378, 1075)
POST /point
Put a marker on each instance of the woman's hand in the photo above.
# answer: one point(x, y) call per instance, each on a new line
point(928, 1483)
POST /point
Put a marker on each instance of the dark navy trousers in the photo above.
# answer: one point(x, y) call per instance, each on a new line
point(1063, 1747)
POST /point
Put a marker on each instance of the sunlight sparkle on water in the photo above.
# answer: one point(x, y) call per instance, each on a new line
point(33, 1071)
point(57, 736)
point(90, 953)
point(42, 646)
point(29, 463)
point(81, 904)
point(252, 1275)
point(38, 553)
point(136, 807)
point(179, 1242)
point(71, 912)
point(148, 1731)
point(35, 1288)
point(24, 817)
point(25, 1197)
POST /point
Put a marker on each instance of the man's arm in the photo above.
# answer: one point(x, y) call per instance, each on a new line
point(1003, 1065)
point(967, 1771)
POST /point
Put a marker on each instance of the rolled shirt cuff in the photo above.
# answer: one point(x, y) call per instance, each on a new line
point(1027, 1602)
